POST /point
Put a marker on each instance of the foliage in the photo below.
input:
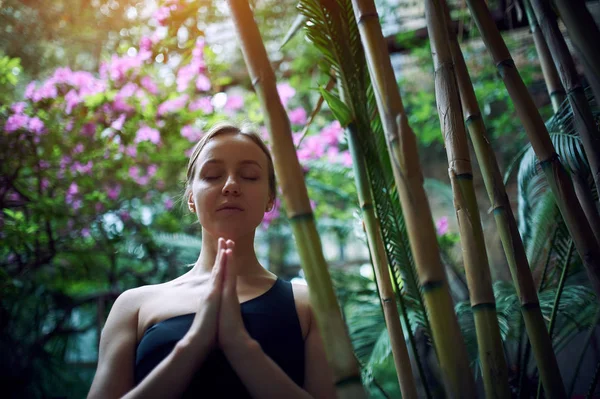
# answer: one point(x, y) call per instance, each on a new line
point(92, 168)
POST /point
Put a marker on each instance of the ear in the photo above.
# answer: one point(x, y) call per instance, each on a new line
point(270, 204)
point(191, 203)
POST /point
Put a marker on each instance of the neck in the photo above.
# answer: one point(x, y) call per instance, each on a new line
point(243, 260)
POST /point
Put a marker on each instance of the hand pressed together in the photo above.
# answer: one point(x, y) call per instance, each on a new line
point(218, 320)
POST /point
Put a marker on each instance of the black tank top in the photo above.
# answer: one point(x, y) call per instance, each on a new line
point(271, 319)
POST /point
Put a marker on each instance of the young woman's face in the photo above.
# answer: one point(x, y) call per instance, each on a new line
point(230, 189)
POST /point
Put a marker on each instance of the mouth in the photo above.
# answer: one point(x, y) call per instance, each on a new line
point(230, 208)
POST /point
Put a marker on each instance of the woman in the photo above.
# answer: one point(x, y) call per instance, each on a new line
point(227, 328)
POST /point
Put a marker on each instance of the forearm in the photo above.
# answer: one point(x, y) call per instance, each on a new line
point(260, 374)
point(172, 375)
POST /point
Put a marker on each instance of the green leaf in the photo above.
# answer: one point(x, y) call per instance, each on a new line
point(340, 110)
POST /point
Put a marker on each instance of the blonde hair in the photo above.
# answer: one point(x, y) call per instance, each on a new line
point(226, 128)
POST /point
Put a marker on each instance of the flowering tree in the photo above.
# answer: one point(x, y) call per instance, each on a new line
point(92, 165)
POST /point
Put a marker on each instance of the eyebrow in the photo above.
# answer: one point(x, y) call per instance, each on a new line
point(244, 162)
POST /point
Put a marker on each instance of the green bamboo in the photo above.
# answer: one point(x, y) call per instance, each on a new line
point(287, 167)
point(479, 280)
point(585, 36)
point(582, 113)
point(402, 149)
point(380, 266)
point(557, 96)
point(553, 85)
point(506, 224)
point(558, 179)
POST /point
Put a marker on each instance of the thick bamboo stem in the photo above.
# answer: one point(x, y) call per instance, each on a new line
point(287, 167)
point(402, 148)
point(507, 226)
point(558, 179)
point(479, 280)
point(553, 84)
point(585, 36)
point(380, 266)
point(582, 113)
point(584, 194)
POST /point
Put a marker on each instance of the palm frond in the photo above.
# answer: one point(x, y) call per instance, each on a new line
point(332, 28)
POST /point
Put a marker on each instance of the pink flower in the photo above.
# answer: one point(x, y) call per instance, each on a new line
point(234, 102)
point(146, 43)
point(203, 83)
point(172, 105)
point(36, 126)
point(72, 99)
point(99, 207)
point(151, 171)
point(44, 164)
point(191, 133)
point(30, 90)
point(83, 168)
point(161, 15)
point(441, 225)
point(134, 172)
point(118, 124)
point(89, 129)
point(297, 116)
point(19, 107)
point(331, 134)
point(73, 189)
point(131, 151)
point(346, 159)
point(113, 192)
point(69, 125)
point(146, 133)
point(85, 232)
point(202, 104)
point(148, 84)
point(168, 204)
point(185, 75)
point(286, 92)
point(45, 183)
point(333, 154)
point(16, 122)
point(125, 216)
point(142, 180)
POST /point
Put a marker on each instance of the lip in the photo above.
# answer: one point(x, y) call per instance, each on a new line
point(230, 207)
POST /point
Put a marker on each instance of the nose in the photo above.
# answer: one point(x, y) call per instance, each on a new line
point(231, 187)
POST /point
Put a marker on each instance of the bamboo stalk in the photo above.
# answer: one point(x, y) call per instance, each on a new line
point(582, 113)
point(585, 36)
point(553, 84)
point(402, 148)
point(557, 96)
point(558, 179)
point(479, 280)
point(287, 167)
point(380, 266)
point(507, 226)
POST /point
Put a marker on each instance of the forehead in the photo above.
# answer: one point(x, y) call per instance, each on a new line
point(232, 146)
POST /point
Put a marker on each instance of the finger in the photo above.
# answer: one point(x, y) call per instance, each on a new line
point(217, 263)
point(221, 269)
point(230, 244)
point(230, 277)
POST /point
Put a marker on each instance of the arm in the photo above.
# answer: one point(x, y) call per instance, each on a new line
point(115, 374)
point(255, 368)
